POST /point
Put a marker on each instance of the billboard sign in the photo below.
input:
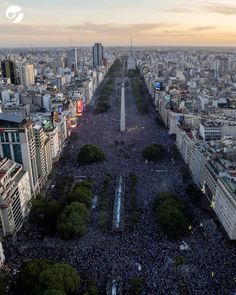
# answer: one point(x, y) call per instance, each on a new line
point(158, 86)
point(79, 107)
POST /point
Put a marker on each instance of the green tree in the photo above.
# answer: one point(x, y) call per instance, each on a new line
point(37, 210)
point(161, 197)
point(89, 154)
point(52, 210)
point(54, 292)
point(45, 277)
point(92, 289)
point(153, 152)
point(193, 192)
point(44, 213)
point(73, 221)
point(136, 285)
point(102, 106)
point(82, 193)
point(172, 218)
point(179, 260)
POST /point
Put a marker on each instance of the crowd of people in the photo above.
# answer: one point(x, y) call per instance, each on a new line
point(209, 263)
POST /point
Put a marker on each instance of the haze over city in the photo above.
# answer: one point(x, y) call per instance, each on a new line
point(151, 22)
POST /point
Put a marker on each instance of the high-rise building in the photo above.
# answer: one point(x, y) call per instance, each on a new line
point(72, 59)
point(15, 196)
point(27, 75)
point(17, 142)
point(97, 55)
point(43, 154)
point(47, 102)
point(9, 71)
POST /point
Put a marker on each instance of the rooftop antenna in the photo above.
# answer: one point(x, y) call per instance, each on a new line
point(131, 44)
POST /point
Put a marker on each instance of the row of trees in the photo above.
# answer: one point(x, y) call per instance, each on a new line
point(67, 217)
point(73, 221)
point(44, 277)
point(138, 91)
point(104, 203)
point(139, 95)
point(107, 88)
point(171, 214)
point(133, 73)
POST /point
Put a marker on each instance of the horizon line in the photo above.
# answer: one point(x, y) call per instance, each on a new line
point(128, 46)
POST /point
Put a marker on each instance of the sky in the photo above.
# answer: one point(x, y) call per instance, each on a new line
point(149, 22)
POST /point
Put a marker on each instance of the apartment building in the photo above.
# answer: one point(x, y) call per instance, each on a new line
point(15, 196)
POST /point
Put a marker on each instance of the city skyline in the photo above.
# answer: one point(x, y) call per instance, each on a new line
point(173, 23)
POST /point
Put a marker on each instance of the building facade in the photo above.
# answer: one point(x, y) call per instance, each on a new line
point(17, 142)
point(9, 71)
point(26, 73)
point(15, 196)
point(98, 55)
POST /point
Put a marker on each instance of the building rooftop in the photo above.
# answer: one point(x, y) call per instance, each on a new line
point(230, 184)
point(12, 118)
point(211, 124)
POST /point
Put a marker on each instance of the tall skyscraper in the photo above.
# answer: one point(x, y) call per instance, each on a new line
point(9, 71)
point(72, 59)
point(27, 75)
point(97, 55)
point(17, 142)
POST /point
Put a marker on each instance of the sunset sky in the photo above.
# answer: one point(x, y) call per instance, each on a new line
point(150, 22)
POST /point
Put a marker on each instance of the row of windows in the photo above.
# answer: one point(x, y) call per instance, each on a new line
point(15, 137)
point(16, 150)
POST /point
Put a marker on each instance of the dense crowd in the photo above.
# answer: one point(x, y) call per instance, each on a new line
point(209, 266)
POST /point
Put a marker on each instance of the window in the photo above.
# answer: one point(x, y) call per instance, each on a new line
point(6, 151)
point(7, 137)
point(13, 138)
point(2, 137)
point(17, 137)
point(17, 153)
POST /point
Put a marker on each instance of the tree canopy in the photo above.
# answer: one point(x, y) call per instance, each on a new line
point(136, 285)
point(153, 152)
point(171, 214)
point(102, 106)
point(44, 213)
point(139, 95)
point(82, 193)
point(89, 154)
point(45, 277)
point(73, 221)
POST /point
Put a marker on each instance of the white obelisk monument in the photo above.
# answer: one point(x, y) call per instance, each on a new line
point(122, 111)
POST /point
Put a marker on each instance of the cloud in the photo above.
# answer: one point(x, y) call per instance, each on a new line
point(117, 30)
point(25, 30)
point(178, 9)
point(220, 8)
point(200, 29)
point(86, 28)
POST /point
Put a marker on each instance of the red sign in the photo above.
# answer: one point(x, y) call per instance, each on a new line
point(79, 107)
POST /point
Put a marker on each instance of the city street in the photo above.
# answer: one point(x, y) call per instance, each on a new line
point(210, 260)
